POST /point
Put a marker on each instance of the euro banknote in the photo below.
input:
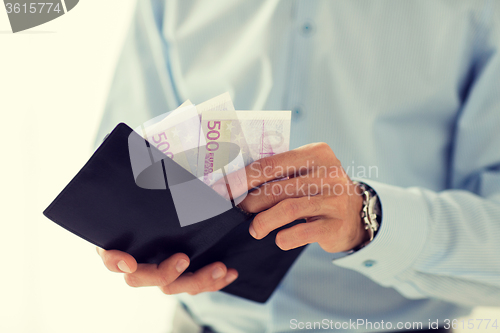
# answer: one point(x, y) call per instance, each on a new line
point(177, 133)
point(253, 134)
point(212, 138)
point(177, 136)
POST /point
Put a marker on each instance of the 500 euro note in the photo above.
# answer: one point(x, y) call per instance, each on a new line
point(177, 134)
point(236, 139)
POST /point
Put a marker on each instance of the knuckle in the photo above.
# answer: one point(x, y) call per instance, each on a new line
point(329, 206)
point(318, 205)
point(314, 206)
point(328, 185)
point(274, 193)
point(301, 233)
point(213, 288)
point(343, 172)
point(291, 208)
point(166, 290)
point(258, 224)
point(162, 280)
point(197, 286)
point(305, 234)
point(106, 259)
point(267, 165)
point(257, 166)
point(343, 177)
point(311, 234)
point(131, 280)
point(324, 230)
point(321, 147)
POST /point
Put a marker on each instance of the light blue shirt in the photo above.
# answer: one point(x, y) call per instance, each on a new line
point(406, 93)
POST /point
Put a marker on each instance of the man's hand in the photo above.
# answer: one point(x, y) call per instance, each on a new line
point(167, 275)
point(317, 189)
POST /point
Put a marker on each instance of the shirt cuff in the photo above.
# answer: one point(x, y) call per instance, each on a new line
point(400, 239)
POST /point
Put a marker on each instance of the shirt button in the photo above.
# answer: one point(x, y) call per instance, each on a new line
point(369, 263)
point(296, 112)
point(307, 28)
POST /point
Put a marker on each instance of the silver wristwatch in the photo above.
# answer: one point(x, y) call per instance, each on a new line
point(371, 213)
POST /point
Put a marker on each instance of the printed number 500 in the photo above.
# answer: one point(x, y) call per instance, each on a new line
point(160, 143)
point(213, 135)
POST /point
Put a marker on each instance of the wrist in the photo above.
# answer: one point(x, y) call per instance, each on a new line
point(362, 235)
point(369, 215)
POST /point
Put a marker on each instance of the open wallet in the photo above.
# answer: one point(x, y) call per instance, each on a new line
point(104, 205)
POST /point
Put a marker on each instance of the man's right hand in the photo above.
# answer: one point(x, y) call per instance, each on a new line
point(167, 275)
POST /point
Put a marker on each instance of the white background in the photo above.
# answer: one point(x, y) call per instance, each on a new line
point(53, 84)
point(54, 79)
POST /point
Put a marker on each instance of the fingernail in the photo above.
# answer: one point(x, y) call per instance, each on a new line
point(182, 264)
point(252, 232)
point(217, 273)
point(230, 278)
point(122, 265)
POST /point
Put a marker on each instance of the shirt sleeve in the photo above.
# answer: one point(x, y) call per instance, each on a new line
point(446, 244)
point(142, 87)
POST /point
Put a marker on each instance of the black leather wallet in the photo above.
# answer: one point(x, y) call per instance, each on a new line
point(103, 205)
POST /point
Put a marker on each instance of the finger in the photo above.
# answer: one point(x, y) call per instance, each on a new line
point(201, 280)
point(270, 194)
point(219, 284)
point(285, 212)
point(158, 275)
point(231, 275)
point(302, 234)
point(288, 164)
point(117, 261)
